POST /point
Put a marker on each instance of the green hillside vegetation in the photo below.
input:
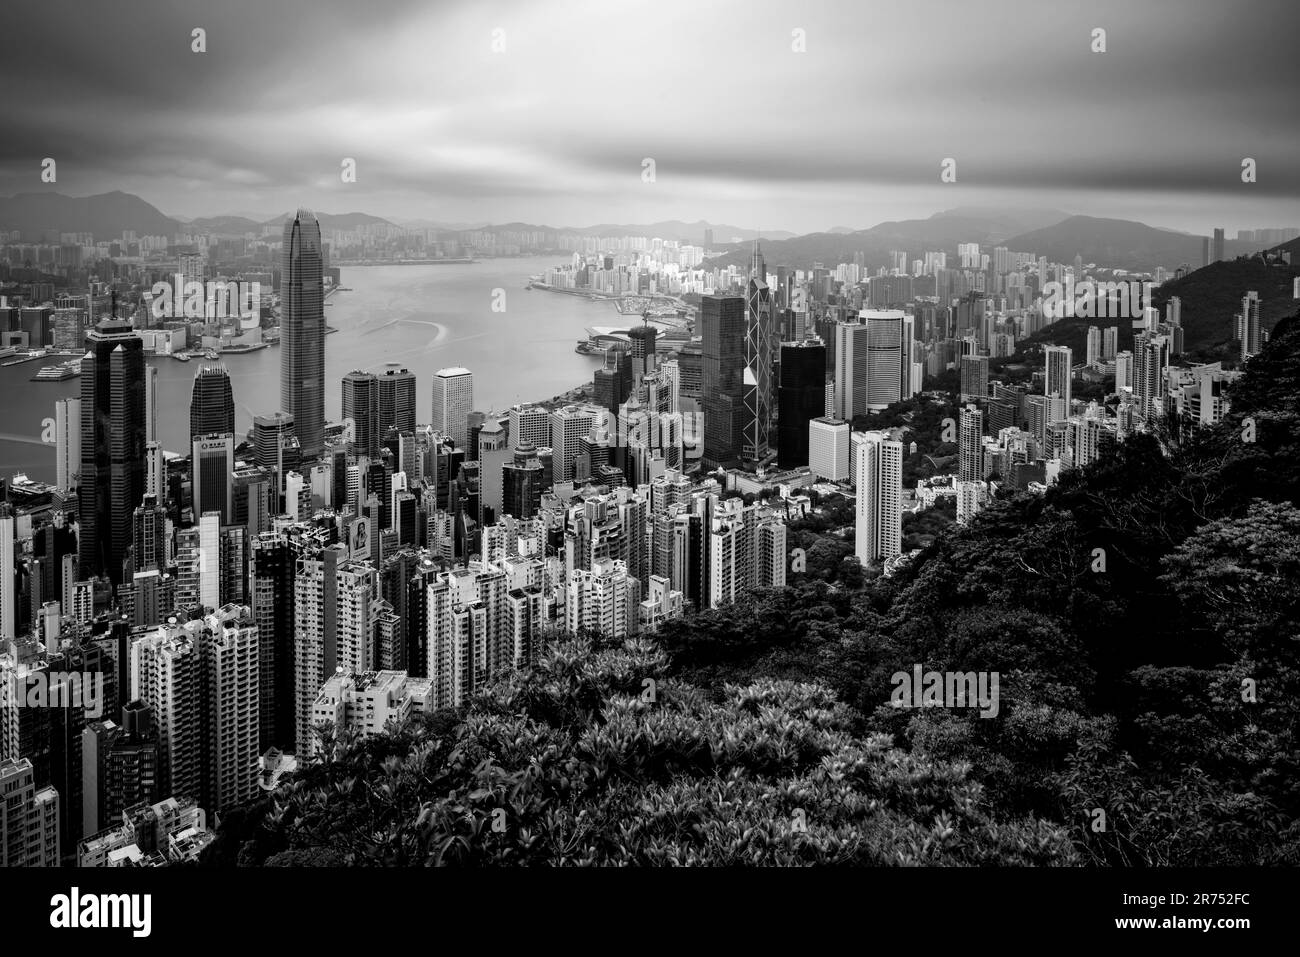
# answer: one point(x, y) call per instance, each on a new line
point(1143, 616)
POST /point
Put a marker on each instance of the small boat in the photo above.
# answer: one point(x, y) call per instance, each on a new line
point(180, 357)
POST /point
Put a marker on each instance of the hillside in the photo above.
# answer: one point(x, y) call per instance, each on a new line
point(1118, 243)
point(105, 215)
point(1212, 296)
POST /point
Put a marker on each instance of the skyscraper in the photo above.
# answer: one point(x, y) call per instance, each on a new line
point(112, 445)
point(1218, 244)
point(212, 469)
point(453, 398)
point(974, 378)
point(396, 401)
point(212, 404)
point(67, 441)
point(722, 326)
point(801, 398)
point(759, 392)
point(361, 408)
point(885, 357)
point(878, 468)
point(302, 331)
point(1060, 369)
point(1248, 333)
point(970, 446)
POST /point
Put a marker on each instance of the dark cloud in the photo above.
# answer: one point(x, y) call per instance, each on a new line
point(741, 127)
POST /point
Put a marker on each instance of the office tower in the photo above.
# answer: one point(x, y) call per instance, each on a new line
point(302, 332)
point(119, 767)
point(212, 472)
point(8, 574)
point(149, 535)
point(1110, 342)
point(643, 352)
point(1123, 371)
point(884, 356)
point(271, 435)
point(607, 389)
point(361, 409)
point(1093, 350)
point(112, 446)
point(1205, 251)
point(1060, 370)
point(761, 339)
point(255, 499)
point(1218, 244)
point(1248, 332)
point(29, 818)
point(974, 378)
point(801, 398)
point(273, 559)
point(67, 441)
point(829, 449)
point(522, 483)
point(209, 559)
point(155, 471)
point(878, 468)
point(569, 426)
point(151, 403)
point(229, 702)
point(850, 372)
point(396, 402)
point(722, 326)
point(453, 398)
point(212, 403)
point(970, 446)
point(529, 424)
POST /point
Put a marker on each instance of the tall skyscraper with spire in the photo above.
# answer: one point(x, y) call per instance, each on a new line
point(112, 446)
point(302, 331)
point(760, 358)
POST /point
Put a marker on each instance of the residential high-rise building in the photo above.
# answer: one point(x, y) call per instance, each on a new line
point(112, 446)
point(801, 398)
point(397, 390)
point(1123, 371)
point(974, 378)
point(212, 475)
point(1060, 371)
point(1248, 330)
point(878, 467)
point(722, 328)
point(1218, 245)
point(212, 403)
point(302, 331)
point(29, 818)
point(1150, 363)
point(453, 399)
point(1110, 342)
point(361, 410)
point(229, 700)
point(970, 445)
point(67, 442)
point(1092, 353)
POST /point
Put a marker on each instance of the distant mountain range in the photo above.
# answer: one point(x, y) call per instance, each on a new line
point(106, 215)
point(1119, 243)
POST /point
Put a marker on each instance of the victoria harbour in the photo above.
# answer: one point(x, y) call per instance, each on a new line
point(419, 317)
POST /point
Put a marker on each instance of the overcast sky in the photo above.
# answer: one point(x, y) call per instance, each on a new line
point(742, 129)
